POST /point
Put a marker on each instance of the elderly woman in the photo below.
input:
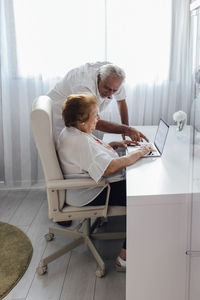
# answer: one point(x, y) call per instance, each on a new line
point(82, 154)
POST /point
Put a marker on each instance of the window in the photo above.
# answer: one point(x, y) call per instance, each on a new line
point(138, 38)
point(55, 35)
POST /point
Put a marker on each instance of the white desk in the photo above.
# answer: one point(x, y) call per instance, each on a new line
point(158, 211)
point(158, 201)
point(166, 175)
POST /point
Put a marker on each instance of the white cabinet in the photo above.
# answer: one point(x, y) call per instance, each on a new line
point(195, 279)
point(195, 234)
point(157, 236)
point(194, 290)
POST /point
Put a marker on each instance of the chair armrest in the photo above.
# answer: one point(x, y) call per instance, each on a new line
point(78, 183)
point(74, 183)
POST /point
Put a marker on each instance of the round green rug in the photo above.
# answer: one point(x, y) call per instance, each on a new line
point(15, 255)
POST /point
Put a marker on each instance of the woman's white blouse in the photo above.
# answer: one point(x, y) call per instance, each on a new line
point(83, 155)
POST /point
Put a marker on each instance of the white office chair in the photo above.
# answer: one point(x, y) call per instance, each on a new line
point(56, 185)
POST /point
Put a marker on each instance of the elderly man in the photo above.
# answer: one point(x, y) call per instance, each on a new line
point(105, 81)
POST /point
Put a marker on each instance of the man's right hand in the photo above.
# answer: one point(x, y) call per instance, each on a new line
point(135, 135)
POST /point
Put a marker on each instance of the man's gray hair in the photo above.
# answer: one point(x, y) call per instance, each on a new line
point(111, 70)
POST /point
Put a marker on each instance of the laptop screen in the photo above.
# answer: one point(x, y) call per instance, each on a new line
point(161, 135)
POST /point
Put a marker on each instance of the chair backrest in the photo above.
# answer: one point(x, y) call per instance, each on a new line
point(42, 127)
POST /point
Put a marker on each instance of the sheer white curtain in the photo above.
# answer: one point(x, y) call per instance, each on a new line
point(20, 156)
point(151, 41)
point(41, 40)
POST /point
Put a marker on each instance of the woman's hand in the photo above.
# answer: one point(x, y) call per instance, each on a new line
point(117, 164)
point(146, 149)
point(122, 144)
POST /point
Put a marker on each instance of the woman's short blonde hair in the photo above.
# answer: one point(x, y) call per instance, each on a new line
point(77, 108)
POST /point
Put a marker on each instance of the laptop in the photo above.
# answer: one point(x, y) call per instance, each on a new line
point(159, 141)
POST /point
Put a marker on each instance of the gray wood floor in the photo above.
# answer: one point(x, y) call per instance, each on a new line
point(72, 276)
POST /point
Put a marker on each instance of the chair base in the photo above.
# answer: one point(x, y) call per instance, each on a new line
point(84, 237)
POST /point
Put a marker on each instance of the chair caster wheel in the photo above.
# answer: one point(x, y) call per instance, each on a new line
point(41, 270)
point(100, 273)
point(49, 236)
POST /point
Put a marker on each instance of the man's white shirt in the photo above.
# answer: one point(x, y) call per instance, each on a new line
point(79, 80)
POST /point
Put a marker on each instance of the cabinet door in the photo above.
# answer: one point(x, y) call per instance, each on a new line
point(195, 279)
point(195, 235)
point(195, 249)
point(156, 250)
